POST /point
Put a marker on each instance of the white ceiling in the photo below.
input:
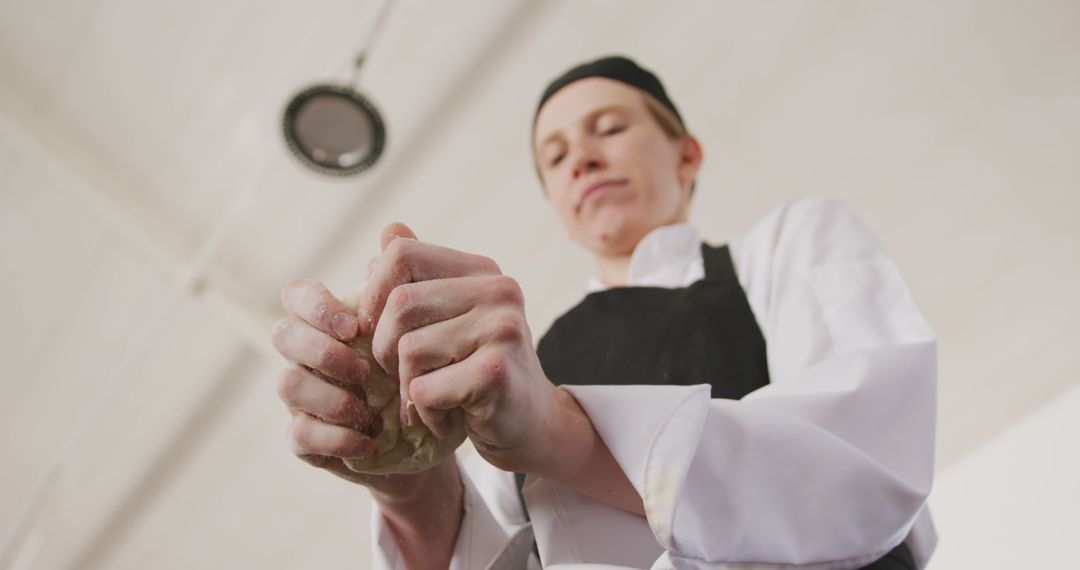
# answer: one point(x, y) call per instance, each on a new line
point(131, 132)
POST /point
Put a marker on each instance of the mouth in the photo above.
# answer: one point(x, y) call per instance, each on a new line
point(595, 190)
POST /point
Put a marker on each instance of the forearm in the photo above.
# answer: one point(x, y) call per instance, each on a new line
point(581, 460)
point(425, 526)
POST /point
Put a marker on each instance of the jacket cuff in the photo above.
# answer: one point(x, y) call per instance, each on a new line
point(656, 449)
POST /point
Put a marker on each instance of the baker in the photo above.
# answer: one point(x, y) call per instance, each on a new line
point(769, 402)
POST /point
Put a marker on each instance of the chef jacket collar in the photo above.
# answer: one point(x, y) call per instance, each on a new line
point(662, 258)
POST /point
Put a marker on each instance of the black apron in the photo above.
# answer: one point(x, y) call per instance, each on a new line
point(704, 333)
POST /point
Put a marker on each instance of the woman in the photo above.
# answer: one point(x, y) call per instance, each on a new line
point(769, 402)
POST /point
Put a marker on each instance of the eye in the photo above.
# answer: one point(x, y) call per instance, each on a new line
point(555, 161)
point(609, 123)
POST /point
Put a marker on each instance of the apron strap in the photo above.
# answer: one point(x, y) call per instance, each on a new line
point(519, 480)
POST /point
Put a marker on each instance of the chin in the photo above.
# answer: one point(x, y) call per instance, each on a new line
point(613, 240)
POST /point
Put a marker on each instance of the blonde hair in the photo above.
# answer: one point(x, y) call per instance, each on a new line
point(669, 123)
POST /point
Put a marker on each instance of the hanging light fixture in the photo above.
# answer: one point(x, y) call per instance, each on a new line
point(331, 127)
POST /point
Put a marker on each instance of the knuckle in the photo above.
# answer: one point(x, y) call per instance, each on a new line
point(488, 264)
point(382, 350)
point(397, 250)
point(320, 311)
point(509, 291)
point(409, 353)
point(508, 327)
point(299, 434)
point(400, 299)
point(339, 444)
point(342, 408)
point(326, 356)
point(409, 344)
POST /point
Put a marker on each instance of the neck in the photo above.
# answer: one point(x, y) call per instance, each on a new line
point(614, 269)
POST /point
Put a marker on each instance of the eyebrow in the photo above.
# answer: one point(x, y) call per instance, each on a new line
point(588, 117)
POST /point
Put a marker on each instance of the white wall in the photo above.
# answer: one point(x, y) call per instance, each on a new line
point(950, 127)
point(1013, 503)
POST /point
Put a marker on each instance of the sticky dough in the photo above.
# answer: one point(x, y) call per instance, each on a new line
point(399, 448)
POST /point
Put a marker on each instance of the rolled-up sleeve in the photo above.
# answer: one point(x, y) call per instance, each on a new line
point(829, 465)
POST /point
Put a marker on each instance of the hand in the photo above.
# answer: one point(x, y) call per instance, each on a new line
point(452, 329)
point(331, 421)
point(322, 390)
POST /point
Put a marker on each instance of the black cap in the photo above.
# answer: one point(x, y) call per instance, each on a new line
point(614, 67)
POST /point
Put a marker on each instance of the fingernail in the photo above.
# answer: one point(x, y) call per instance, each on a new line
point(407, 405)
point(365, 321)
point(344, 325)
point(414, 416)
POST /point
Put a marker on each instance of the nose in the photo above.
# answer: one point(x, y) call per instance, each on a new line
point(586, 158)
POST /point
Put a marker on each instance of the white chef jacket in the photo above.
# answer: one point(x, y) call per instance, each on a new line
point(828, 466)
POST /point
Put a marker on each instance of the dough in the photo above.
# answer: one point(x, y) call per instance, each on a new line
point(399, 448)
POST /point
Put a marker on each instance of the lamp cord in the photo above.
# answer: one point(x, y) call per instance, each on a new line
point(369, 41)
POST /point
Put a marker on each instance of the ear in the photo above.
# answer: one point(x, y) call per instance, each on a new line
point(690, 158)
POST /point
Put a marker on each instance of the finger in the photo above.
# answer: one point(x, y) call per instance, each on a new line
point(473, 384)
point(435, 346)
point(301, 390)
point(393, 231)
point(416, 305)
point(312, 302)
point(302, 344)
point(408, 261)
point(430, 348)
point(310, 436)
